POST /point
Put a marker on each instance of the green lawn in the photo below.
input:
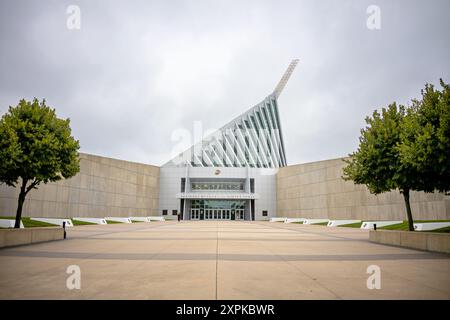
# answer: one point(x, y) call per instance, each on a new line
point(28, 223)
point(352, 225)
point(320, 224)
point(82, 223)
point(446, 230)
point(404, 226)
point(112, 222)
point(401, 226)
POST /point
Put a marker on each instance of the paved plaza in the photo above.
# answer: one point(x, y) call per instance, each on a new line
point(220, 260)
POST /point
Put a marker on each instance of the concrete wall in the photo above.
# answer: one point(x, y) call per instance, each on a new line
point(16, 237)
point(110, 187)
point(429, 241)
point(103, 187)
point(316, 190)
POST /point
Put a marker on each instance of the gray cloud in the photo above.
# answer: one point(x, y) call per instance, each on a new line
point(137, 71)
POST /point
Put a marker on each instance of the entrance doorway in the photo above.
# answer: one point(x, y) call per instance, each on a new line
point(212, 214)
point(217, 209)
point(195, 214)
point(239, 214)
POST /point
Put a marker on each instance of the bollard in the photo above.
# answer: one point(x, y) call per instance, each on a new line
point(375, 227)
point(64, 227)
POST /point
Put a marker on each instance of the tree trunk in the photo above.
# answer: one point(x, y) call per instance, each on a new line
point(408, 209)
point(21, 200)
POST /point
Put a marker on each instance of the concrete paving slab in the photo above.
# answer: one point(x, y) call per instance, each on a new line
point(220, 260)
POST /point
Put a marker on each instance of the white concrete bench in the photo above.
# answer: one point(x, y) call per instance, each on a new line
point(430, 226)
point(277, 219)
point(119, 219)
point(156, 218)
point(291, 220)
point(55, 221)
point(9, 223)
point(369, 224)
point(335, 223)
point(91, 220)
point(314, 221)
point(140, 219)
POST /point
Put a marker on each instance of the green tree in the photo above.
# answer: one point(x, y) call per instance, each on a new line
point(426, 138)
point(406, 149)
point(377, 162)
point(35, 147)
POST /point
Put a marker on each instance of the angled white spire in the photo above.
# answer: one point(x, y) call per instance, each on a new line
point(284, 79)
point(253, 139)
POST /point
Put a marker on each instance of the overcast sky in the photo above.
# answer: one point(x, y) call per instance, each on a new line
point(138, 71)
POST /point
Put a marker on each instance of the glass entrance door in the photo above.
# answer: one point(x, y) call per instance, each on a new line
point(202, 209)
point(195, 214)
point(212, 214)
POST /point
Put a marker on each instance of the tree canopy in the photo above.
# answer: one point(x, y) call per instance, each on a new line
point(35, 147)
point(405, 148)
point(425, 139)
point(377, 163)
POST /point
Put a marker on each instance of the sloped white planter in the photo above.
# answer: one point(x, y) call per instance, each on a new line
point(430, 226)
point(8, 223)
point(278, 219)
point(369, 224)
point(291, 220)
point(141, 219)
point(314, 221)
point(119, 219)
point(91, 220)
point(58, 222)
point(335, 223)
point(156, 218)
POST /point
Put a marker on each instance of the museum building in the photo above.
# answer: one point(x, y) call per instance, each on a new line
point(231, 173)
